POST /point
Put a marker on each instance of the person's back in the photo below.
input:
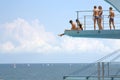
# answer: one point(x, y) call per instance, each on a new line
point(111, 18)
point(79, 25)
point(73, 25)
point(95, 12)
point(95, 16)
point(112, 14)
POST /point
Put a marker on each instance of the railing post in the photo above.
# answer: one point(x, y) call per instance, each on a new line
point(84, 22)
point(103, 22)
point(77, 14)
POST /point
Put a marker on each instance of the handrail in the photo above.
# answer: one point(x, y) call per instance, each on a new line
point(99, 60)
point(87, 77)
point(109, 55)
point(87, 20)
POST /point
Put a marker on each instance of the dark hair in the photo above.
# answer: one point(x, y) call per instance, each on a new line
point(95, 6)
point(70, 21)
point(110, 8)
point(77, 20)
point(100, 7)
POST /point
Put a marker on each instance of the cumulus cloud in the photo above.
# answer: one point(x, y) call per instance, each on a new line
point(84, 45)
point(22, 36)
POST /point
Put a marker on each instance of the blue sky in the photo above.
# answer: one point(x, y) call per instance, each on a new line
point(29, 29)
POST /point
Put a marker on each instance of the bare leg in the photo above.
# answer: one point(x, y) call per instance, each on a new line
point(95, 24)
point(100, 22)
point(113, 25)
point(61, 34)
point(110, 24)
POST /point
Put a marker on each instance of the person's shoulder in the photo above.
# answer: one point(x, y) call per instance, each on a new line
point(113, 11)
point(94, 9)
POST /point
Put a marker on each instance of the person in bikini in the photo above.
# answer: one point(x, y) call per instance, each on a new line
point(100, 12)
point(95, 16)
point(79, 25)
point(111, 18)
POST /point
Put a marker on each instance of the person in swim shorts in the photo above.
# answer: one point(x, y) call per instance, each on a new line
point(111, 18)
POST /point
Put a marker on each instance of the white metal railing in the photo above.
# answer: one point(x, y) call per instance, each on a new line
point(86, 18)
point(99, 70)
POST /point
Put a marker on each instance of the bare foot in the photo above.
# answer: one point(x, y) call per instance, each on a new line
point(60, 34)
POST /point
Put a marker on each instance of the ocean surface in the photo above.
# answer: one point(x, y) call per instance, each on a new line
point(36, 71)
point(51, 71)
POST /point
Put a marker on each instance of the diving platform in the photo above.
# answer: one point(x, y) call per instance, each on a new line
point(109, 34)
point(88, 26)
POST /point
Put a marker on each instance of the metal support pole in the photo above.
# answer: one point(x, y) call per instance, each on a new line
point(112, 78)
point(77, 14)
point(87, 78)
point(108, 68)
point(64, 77)
point(103, 22)
point(77, 17)
point(98, 70)
point(102, 70)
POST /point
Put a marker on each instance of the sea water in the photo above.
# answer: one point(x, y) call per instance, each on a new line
point(50, 71)
point(36, 71)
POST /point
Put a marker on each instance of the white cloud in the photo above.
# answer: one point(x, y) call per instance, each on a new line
point(23, 36)
point(84, 45)
point(8, 46)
